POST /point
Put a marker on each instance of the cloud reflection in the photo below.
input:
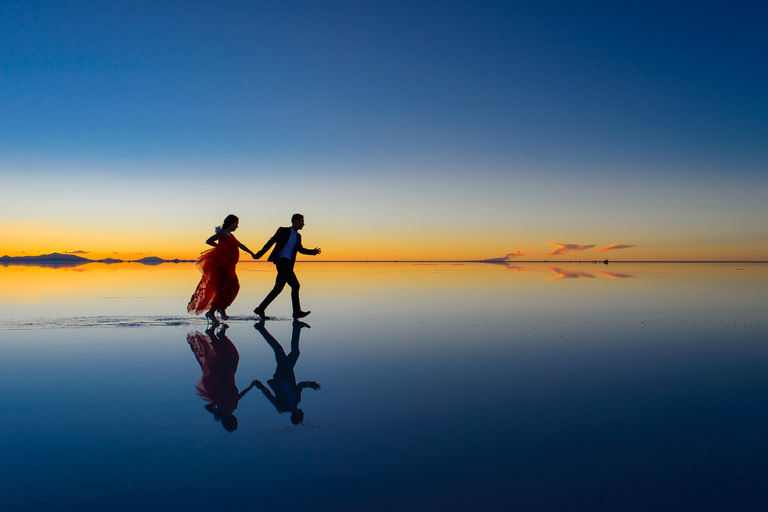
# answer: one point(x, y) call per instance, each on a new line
point(560, 272)
point(615, 275)
point(509, 265)
point(564, 273)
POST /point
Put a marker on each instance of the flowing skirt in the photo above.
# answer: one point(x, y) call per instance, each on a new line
point(219, 285)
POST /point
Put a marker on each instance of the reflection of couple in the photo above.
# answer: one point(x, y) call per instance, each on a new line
point(218, 358)
point(219, 285)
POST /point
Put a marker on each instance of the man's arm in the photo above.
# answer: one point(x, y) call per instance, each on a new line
point(267, 392)
point(242, 394)
point(269, 244)
point(311, 252)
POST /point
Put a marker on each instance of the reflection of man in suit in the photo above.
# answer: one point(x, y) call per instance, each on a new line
point(287, 393)
point(287, 242)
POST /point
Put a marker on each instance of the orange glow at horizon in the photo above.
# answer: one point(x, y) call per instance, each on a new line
point(130, 243)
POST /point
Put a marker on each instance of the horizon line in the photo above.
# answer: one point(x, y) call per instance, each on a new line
point(494, 262)
point(112, 260)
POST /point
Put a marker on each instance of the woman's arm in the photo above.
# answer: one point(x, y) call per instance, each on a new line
point(248, 250)
point(213, 239)
point(242, 394)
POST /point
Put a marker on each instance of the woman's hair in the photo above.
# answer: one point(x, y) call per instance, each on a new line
point(231, 219)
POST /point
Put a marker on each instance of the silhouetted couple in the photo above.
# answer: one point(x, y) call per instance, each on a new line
point(219, 285)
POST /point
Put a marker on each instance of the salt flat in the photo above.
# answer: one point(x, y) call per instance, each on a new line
point(442, 387)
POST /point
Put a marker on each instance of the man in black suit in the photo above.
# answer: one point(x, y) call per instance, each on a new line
point(287, 242)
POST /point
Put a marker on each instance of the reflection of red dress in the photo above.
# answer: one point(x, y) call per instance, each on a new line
point(218, 359)
point(219, 285)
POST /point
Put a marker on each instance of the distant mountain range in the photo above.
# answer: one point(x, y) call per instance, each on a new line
point(57, 259)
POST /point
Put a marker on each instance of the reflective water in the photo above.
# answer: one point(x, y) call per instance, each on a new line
point(439, 387)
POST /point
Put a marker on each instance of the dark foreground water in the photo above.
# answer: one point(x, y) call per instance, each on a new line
point(440, 387)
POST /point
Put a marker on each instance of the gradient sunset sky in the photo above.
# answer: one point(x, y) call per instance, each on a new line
point(436, 130)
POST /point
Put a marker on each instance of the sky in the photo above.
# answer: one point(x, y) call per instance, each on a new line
point(433, 130)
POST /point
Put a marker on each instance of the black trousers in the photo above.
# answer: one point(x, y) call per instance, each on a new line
point(285, 275)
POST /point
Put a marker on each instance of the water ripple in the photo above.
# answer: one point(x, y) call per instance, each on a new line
point(110, 321)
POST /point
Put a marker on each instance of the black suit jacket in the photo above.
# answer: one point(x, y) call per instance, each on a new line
point(279, 239)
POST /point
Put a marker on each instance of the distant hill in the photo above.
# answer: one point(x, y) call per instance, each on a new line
point(154, 260)
point(150, 260)
point(56, 256)
point(109, 260)
point(57, 259)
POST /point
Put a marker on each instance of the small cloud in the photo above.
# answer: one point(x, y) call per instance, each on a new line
point(566, 248)
point(614, 247)
point(76, 252)
point(509, 256)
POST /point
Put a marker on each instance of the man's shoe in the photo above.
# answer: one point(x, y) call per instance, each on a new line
point(300, 314)
point(260, 314)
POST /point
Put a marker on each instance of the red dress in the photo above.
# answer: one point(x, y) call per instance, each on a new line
point(219, 285)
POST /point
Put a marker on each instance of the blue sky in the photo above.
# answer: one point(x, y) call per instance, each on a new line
point(562, 97)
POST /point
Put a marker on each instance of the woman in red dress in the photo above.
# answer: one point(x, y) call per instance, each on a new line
point(219, 285)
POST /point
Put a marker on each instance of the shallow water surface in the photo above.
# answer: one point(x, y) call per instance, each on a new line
point(535, 386)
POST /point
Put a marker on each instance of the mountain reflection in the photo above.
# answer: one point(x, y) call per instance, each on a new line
point(285, 394)
point(45, 264)
point(218, 358)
